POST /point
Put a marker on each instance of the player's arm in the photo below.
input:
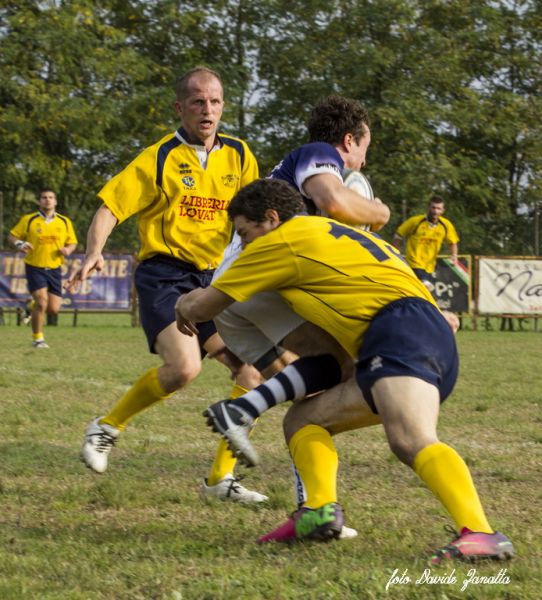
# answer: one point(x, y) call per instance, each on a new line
point(238, 283)
point(67, 249)
point(100, 229)
point(453, 251)
point(343, 204)
point(18, 244)
point(201, 304)
point(70, 242)
point(397, 241)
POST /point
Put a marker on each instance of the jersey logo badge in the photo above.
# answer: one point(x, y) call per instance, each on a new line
point(376, 363)
point(188, 181)
point(230, 180)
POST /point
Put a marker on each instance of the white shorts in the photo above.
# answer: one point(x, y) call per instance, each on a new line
point(251, 329)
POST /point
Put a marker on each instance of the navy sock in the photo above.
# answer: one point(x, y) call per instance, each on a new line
point(305, 376)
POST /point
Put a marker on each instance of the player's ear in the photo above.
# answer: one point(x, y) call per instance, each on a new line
point(348, 140)
point(273, 217)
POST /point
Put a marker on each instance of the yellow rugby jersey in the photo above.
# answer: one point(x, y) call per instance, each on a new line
point(47, 236)
point(333, 275)
point(424, 240)
point(181, 206)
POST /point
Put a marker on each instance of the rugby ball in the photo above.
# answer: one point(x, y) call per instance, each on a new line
point(355, 180)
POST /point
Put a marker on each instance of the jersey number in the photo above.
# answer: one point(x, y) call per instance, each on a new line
point(338, 231)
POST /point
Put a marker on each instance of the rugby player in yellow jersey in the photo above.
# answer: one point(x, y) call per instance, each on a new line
point(257, 331)
point(180, 188)
point(46, 238)
point(357, 287)
point(424, 235)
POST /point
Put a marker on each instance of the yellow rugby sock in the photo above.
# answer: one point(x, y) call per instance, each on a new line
point(37, 336)
point(145, 392)
point(224, 462)
point(448, 477)
point(317, 462)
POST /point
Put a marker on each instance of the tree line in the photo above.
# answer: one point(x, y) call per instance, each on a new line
point(453, 88)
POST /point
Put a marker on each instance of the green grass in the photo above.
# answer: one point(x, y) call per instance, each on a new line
point(141, 531)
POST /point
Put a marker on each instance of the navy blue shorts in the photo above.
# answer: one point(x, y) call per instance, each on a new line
point(159, 282)
point(409, 337)
point(39, 277)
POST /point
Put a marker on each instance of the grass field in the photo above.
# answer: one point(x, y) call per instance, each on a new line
point(141, 531)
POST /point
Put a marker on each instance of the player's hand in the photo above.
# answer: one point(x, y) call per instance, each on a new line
point(385, 218)
point(184, 325)
point(453, 320)
point(92, 262)
point(25, 247)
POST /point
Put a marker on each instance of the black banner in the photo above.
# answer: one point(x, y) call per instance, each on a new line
point(452, 290)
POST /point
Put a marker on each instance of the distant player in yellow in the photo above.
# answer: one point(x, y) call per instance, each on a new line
point(180, 188)
point(358, 288)
point(424, 235)
point(46, 238)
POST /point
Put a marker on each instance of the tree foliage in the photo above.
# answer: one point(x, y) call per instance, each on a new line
point(453, 90)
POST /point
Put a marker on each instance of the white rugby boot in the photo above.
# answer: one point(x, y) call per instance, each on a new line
point(229, 488)
point(99, 439)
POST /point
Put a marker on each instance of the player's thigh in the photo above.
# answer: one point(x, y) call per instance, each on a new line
point(54, 303)
point(409, 409)
point(339, 409)
point(179, 352)
point(309, 340)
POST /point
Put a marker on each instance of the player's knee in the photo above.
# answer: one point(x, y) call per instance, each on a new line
point(40, 304)
point(295, 419)
point(177, 376)
point(402, 451)
point(406, 449)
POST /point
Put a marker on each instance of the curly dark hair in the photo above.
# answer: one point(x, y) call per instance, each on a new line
point(261, 195)
point(335, 116)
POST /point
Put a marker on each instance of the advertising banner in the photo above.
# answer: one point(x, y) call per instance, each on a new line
point(108, 290)
point(453, 289)
point(511, 286)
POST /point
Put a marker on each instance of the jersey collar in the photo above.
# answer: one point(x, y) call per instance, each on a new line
point(183, 137)
point(46, 218)
point(431, 224)
point(199, 148)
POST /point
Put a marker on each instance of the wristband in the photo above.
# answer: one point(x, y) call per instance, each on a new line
point(19, 244)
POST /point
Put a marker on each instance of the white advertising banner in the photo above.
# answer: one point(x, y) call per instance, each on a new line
point(510, 286)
